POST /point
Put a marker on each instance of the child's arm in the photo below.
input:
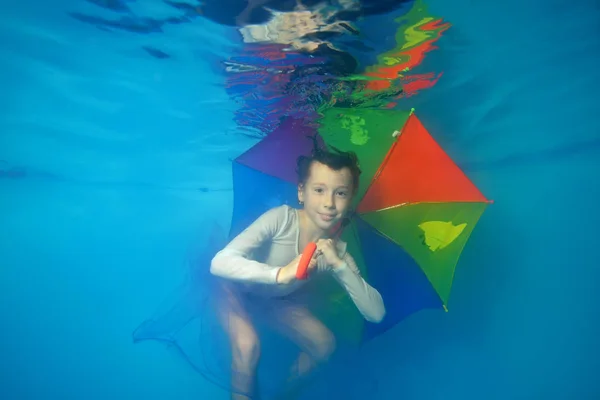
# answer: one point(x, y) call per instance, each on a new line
point(367, 299)
point(234, 261)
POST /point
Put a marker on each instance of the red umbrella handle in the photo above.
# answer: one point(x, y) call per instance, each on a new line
point(309, 250)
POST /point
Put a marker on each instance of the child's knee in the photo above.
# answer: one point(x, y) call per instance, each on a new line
point(246, 350)
point(325, 347)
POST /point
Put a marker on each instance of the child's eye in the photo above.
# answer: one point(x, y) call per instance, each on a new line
point(342, 194)
point(319, 190)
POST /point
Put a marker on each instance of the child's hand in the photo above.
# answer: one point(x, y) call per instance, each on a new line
point(326, 248)
point(287, 274)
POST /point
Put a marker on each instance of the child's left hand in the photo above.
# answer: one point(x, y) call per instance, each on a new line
point(326, 248)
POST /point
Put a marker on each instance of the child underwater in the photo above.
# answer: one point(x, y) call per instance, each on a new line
point(258, 268)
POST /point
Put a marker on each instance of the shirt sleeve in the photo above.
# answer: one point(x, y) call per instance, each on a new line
point(366, 298)
point(235, 260)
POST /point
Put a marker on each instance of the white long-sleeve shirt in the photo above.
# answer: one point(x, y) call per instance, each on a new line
point(271, 242)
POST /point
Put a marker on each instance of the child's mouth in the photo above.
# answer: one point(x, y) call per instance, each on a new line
point(326, 217)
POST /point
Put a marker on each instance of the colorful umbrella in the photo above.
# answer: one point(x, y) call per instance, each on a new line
point(414, 211)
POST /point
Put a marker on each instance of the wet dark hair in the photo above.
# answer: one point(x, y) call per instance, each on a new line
point(336, 160)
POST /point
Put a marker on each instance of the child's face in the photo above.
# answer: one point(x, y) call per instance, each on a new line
point(327, 195)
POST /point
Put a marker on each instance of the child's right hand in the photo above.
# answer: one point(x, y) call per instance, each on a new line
point(287, 274)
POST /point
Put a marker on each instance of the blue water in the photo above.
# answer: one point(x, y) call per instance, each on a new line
point(122, 157)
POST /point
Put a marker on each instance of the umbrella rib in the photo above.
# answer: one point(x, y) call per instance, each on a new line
point(386, 159)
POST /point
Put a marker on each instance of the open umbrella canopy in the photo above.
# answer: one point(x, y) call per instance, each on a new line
point(414, 211)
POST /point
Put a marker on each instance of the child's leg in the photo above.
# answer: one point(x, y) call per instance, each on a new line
point(315, 339)
point(245, 347)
